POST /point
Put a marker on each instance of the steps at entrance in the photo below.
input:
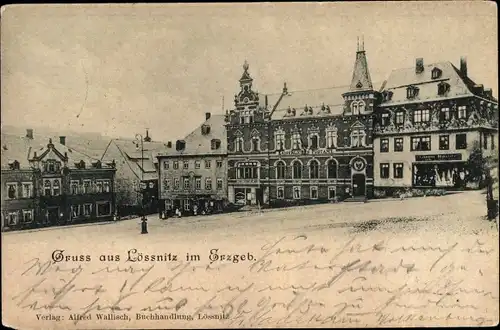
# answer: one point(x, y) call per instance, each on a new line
point(357, 199)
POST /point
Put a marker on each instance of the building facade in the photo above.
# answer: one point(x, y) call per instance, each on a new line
point(54, 185)
point(193, 174)
point(136, 181)
point(304, 146)
point(430, 121)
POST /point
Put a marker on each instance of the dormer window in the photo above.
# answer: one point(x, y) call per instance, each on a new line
point(387, 95)
point(180, 145)
point(411, 92)
point(215, 144)
point(14, 165)
point(385, 119)
point(443, 88)
point(436, 73)
point(205, 129)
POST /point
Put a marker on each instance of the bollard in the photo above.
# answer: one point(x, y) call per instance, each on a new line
point(144, 226)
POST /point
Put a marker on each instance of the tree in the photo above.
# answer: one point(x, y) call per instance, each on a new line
point(476, 164)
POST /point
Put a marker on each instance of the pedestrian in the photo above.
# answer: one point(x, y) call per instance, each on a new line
point(195, 210)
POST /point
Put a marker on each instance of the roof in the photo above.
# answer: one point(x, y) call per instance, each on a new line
point(400, 79)
point(141, 162)
point(21, 148)
point(361, 79)
point(200, 144)
point(315, 99)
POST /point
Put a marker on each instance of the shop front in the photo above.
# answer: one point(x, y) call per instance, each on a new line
point(193, 205)
point(439, 171)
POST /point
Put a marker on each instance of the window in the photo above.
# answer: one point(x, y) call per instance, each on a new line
point(461, 141)
point(384, 145)
point(296, 141)
point(219, 184)
point(103, 209)
point(167, 185)
point(398, 170)
point(421, 143)
point(485, 142)
point(177, 184)
point(239, 144)
point(56, 188)
point(51, 166)
point(384, 171)
point(87, 209)
point(99, 187)
point(398, 144)
point(198, 183)
point(411, 92)
point(74, 187)
point(219, 164)
point(185, 164)
point(75, 211)
point(296, 192)
point(314, 169)
point(313, 192)
point(280, 193)
point(421, 116)
point(462, 112)
point(400, 118)
point(314, 142)
point(331, 193)
point(444, 142)
point(297, 170)
point(358, 138)
point(187, 204)
point(331, 139)
point(27, 190)
point(13, 218)
point(445, 114)
point(385, 119)
point(27, 216)
point(436, 73)
point(332, 169)
point(107, 186)
point(443, 88)
point(280, 170)
point(176, 165)
point(186, 183)
point(280, 140)
point(165, 165)
point(47, 188)
point(12, 190)
point(215, 144)
point(255, 144)
point(247, 172)
point(208, 163)
point(197, 164)
point(492, 142)
point(208, 184)
point(242, 120)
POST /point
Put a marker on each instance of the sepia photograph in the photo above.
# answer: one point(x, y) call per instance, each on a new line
point(249, 165)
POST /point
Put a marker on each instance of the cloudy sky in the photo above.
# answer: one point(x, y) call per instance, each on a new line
point(120, 69)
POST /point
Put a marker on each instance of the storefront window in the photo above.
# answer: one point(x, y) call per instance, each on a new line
point(281, 193)
point(439, 175)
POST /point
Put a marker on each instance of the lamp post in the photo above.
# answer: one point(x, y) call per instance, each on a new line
point(144, 225)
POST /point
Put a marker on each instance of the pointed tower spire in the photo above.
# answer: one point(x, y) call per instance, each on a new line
point(361, 79)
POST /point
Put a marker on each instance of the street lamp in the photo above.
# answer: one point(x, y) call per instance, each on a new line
point(140, 140)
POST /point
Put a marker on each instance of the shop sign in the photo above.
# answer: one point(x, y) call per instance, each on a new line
point(307, 152)
point(437, 157)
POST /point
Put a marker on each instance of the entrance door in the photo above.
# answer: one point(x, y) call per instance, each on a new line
point(358, 185)
point(53, 215)
point(259, 196)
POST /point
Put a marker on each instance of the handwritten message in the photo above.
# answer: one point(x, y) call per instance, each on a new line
point(289, 281)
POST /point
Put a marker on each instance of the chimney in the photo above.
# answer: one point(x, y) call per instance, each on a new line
point(29, 133)
point(266, 101)
point(207, 115)
point(419, 66)
point(488, 92)
point(463, 66)
point(62, 140)
point(169, 144)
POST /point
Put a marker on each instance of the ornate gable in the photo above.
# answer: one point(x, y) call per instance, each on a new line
point(358, 124)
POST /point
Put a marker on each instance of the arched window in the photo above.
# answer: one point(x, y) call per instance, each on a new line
point(297, 170)
point(255, 144)
point(47, 187)
point(332, 169)
point(354, 108)
point(314, 169)
point(314, 142)
point(361, 107)
point(280, 170)
point(12, 191)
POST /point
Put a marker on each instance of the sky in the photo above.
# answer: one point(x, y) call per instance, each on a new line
point(119, 69)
